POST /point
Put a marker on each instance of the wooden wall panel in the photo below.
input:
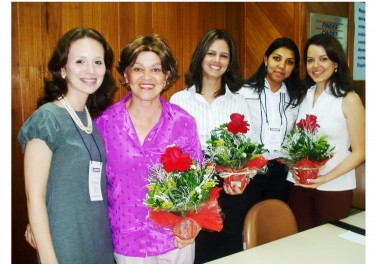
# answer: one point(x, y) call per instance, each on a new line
point(51, 30)
point(70, 15)
point(265, 22)
point(36, 27)
point(280, 15)
point(19, 215)
point(235, 26)
point(31, 57)
point(188, 37)
point(166, 13)
point(144, 19)
point(217, 17)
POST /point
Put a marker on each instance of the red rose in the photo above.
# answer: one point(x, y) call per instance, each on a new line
point(257, 163)
point(309, 124)
point(237, 124)
point(174, 159)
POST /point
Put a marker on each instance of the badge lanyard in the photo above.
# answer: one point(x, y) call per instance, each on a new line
point(264, 109)
point(95, 171)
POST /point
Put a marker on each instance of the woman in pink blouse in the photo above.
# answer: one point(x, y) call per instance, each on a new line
point(136, 131)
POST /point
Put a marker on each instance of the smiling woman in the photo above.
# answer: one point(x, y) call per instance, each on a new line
point(330, 96)
point(211, 97)
point(62, 149)
point(136, 131)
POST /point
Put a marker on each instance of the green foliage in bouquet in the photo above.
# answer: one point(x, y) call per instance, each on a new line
point(180, 184)
point(229, 147)
point(303, 143)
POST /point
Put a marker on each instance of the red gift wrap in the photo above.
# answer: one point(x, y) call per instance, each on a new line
point(207, 215)
point(308, 169)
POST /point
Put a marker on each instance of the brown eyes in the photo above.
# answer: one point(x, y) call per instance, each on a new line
point(289, 62)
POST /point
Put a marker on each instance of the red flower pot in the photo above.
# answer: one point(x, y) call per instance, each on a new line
point(234, 177)
point(236, 180)
point(307, 173)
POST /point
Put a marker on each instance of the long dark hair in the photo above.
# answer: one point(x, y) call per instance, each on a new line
point(195, 74)
point(292, 82)
point(56, 86)
point(340, 82)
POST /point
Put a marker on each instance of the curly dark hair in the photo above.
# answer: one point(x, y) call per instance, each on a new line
point(56, 86)
point(195, 74)
point(156, 44)
point(292, 82)
point(340, 82)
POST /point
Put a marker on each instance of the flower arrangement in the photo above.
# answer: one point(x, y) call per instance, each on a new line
point(304, 149)
point(229, 147)
point(180, 184)
point(233, 153)
point(181, 191)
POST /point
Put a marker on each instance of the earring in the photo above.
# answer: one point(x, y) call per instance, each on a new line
point(126, 84)
point(63, 76)
point(336, 69)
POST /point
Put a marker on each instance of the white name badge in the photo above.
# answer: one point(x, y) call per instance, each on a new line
point(272, 137)
point(95, 169)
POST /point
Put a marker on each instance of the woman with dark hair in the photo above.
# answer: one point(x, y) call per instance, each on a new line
point(230, 77)
point(341, 116)
point(273, 95)
point(65, 175)
point(55, 87)
point(213, 82)
point(136, 131)
point(211, 98)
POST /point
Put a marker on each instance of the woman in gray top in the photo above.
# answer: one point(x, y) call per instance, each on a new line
point(65, 177)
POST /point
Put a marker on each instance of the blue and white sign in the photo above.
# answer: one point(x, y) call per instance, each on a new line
point(359, 42)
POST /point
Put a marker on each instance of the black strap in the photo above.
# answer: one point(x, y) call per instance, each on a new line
point(349, 227)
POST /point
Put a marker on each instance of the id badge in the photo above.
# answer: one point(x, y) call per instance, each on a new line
point(95, 170)
point(272, 137)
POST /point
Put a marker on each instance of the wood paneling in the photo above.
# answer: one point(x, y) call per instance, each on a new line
point(264, 22)
point(36, 27)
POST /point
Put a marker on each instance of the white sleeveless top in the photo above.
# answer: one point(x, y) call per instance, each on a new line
point(332, 122)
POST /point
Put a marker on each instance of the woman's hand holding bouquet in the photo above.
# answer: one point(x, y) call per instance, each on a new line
point(235, 157)
point(182, 195)
point(305, 152)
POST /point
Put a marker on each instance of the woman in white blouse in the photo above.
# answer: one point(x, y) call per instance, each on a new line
point(211, 97)
point(273, 96)
point(341, 116)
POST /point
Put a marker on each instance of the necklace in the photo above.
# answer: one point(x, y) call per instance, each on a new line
point(87, 129)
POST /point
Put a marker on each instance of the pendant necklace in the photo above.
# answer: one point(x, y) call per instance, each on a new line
point(87, 129)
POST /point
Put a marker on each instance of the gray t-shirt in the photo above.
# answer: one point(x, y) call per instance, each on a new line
point(79, 227)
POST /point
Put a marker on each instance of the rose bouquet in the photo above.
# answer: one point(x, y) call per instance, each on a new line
point(181, 194)
point(235, 156)
point(305, 150)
